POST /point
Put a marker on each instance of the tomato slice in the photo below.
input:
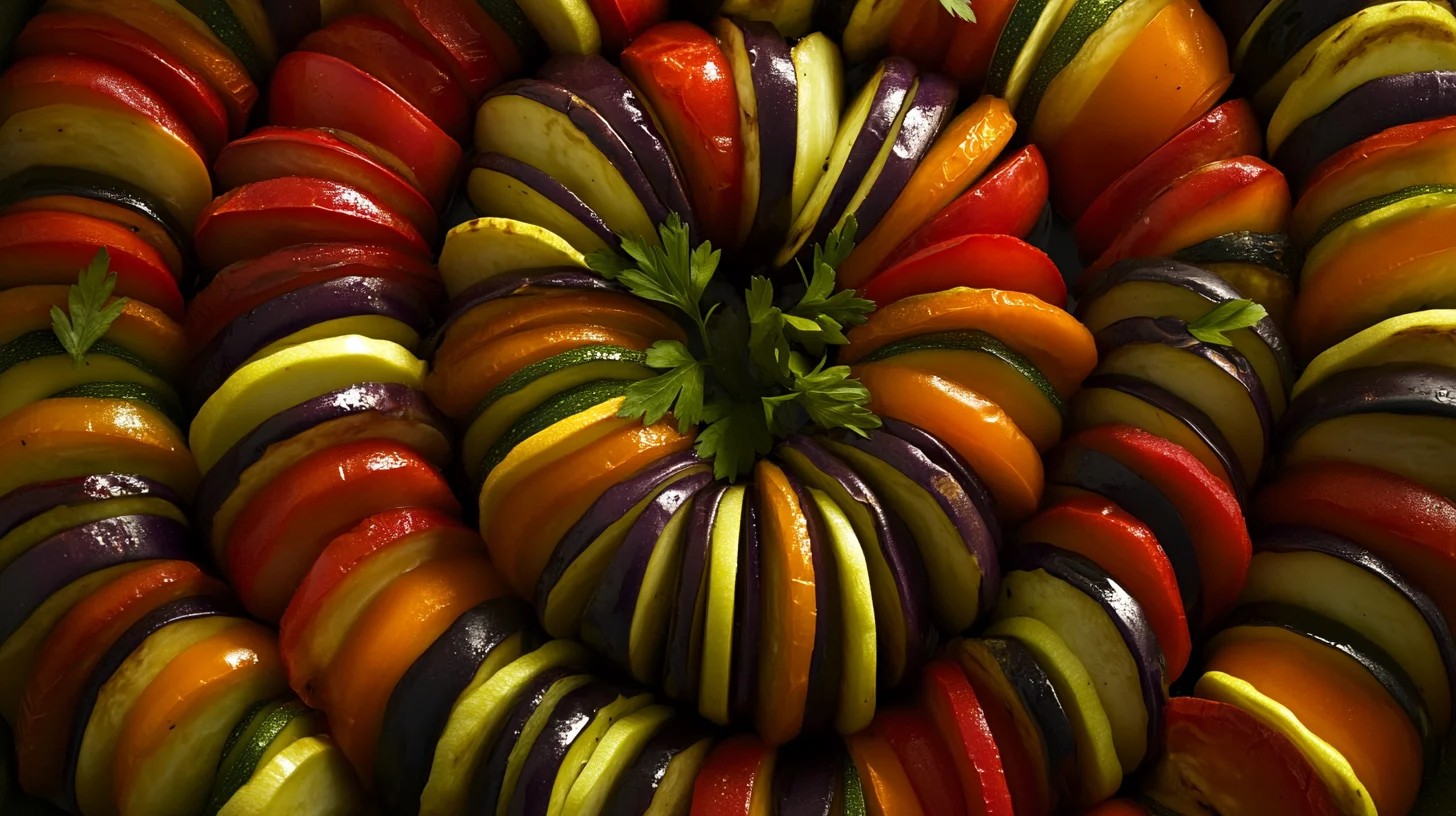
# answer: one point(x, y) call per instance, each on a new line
point(243, 286)
point(146, 59)
point(924, 756)
point(463, 35)
point(388, 54)
point(736, 779)
point(277, 537)
point(50, 247)
point(264, 216)
point(975, 261)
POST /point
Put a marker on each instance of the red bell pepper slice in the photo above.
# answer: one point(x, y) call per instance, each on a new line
point(977, 261)
point(1398, 520)
point(277, 152)
point(689, 84)
point(462, 34)
point(72, 650)
point(281, 532)
point(49, 247)
point(1208, 507)
point(1218, 754)
point(385, 52)
point(1008, 201)
point(972, 45)
point(921, 32)
point(622, 20)
point(952, 704)
point(924, 756)
point(243, 286)
point(317, 90)
point(64, 79)
point(1123, 546)
point(725, 784)
point(1228, 131)
point(116, 43)
point(258, 218)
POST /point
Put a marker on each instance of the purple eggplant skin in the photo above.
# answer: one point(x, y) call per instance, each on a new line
point(607, 90)
point(1191, 416)
point(389, 399)
point(607, 624)
point(553, 190)
point(826, 659)
point(934, 102)
point(486, 784)
point(75, 553)
point(806, 779)
point(1096, 472)
point(747, 617)
point(420, 704)
point(776, 87)
point(1137, 633)
point(25, 503)
point(1197, 280)
point(681, 665)
point(638, 784)
point(1039, 699)
point(182, 609)
point(1293, 538)
point(1384, 668)
point(948, 493)
point(1234, 16)
point(1291, 26)
point(907, 568)
point(953, 463)
point(895, 81)
point(590, 121)
point(1414, 389)
point(1377, 105)
point(292, 20)
point(506, 285)
point(1174, 333)
point(571, 716)
point(295, 311)
point(604, 512)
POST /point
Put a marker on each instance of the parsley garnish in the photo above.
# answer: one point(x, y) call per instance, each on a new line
point(763, 370)
point(960, 8)
point(1228, 316)
point(90, 315)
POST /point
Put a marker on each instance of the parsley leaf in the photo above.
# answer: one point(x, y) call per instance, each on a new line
point(89, 314)
point(960, 8)
point(679, 391)
point(1228, 316)
point(833, 399)
point(736, 436)
point(668, 273)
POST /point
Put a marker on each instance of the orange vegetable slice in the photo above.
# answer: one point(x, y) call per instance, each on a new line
point(786, 642)
point(887, 789)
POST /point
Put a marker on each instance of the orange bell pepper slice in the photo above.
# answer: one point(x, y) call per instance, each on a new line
point(192, 683)
point(64, 438)
point(1337, 699)
point(1396, 519)
point(281, 532)
point(964, 150)
point(786, 643)
point(72, 650)
point(496, 319)
point(1170, 75)
point(396, 629)
point(1401, 268)
point(970, 424)
point(1052, 339)
point(457, 389)
point(887, 789)
point(544, 505)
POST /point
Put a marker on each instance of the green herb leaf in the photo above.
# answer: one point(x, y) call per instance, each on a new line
point(837, 245)
point(960, 8)
point(1226, 317)
point(669, 273)
point(89, 314)
point(736, 436)
point(833, 399)
point(768, 345)
point(679, 391)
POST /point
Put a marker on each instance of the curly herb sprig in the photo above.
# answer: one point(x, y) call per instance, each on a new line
point(764, 368)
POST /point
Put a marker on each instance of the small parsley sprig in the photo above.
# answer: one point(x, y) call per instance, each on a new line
point(88, 315)
point(1231, 315)
point(961, 9)
point(762, 370)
